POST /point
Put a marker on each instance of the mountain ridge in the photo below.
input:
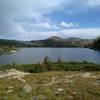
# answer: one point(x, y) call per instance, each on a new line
point(53, 41)
point(56, 41)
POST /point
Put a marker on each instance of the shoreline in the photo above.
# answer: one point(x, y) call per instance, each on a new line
point(52, 66)
point(7, 50)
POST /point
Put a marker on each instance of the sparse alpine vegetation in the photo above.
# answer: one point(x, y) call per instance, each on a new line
point(48, 65)
point(53, 85)
point(50, 81)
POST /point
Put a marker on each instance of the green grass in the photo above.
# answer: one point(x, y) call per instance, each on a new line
point(79, 89)
point(40, 79)
point(64, 66)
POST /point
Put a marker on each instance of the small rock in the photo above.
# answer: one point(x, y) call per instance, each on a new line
point(96, 84)
point(53, 78)
point(22, 80)
point(27, 88)
point(52, 81)
point(12, 73)
point(34, 98)
point(74, 93)
point(68, 81)
point(70, 97)
point(86, 75)
point(9, 91)
point(60, 89)
point(94, 76)
point(10, 87)
point(69, 76)
point(57, 93)
point(41, 97)
point(98, 79)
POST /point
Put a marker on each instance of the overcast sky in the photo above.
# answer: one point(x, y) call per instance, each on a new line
point(40, 19)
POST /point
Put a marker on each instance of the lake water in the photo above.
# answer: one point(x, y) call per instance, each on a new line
point(35, 55)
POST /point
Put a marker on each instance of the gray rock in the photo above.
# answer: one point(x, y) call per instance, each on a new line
point(70, 97)
point(27, 88)
point(34, 98)
point(10, 87)
point(9, 91)
point(39, 97)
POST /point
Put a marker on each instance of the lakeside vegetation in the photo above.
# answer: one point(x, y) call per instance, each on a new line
point(48, 65)
point(50, 81)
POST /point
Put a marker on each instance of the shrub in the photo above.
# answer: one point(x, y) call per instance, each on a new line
point(47, 63)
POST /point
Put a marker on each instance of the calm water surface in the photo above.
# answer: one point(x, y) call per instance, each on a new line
point(35, 55)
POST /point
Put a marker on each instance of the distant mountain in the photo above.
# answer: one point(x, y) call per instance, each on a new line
point(14, 43)
point(55, 38)
point(61, 42)
point(50, 42)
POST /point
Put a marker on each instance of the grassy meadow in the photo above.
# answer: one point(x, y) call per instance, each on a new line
point(50, 81)
point(53, 85)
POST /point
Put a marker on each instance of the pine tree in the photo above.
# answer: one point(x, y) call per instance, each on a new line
point(59, 61)
point(47, 63)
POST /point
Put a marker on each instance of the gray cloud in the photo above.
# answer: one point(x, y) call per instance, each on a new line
point(20, 17)
point(13, 12)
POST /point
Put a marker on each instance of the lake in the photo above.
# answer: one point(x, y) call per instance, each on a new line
point(35, 55)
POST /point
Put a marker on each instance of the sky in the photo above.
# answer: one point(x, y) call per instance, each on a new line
point(40, 19)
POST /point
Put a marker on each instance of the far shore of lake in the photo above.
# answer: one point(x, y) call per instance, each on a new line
point(5, 50)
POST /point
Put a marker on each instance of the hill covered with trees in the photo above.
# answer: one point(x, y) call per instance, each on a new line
point(53, 42)
point(96, 44)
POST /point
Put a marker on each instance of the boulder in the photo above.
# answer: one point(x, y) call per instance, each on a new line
point(27, 88)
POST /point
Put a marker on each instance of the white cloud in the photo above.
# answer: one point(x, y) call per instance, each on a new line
point(37, 35)
point(81, 33)
point(68, 25)
point(34, 35)
point(20, 18)
point(11, 11)
point(85, 33)
point(74, 7)
point(93, 3)
point(46, 25)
